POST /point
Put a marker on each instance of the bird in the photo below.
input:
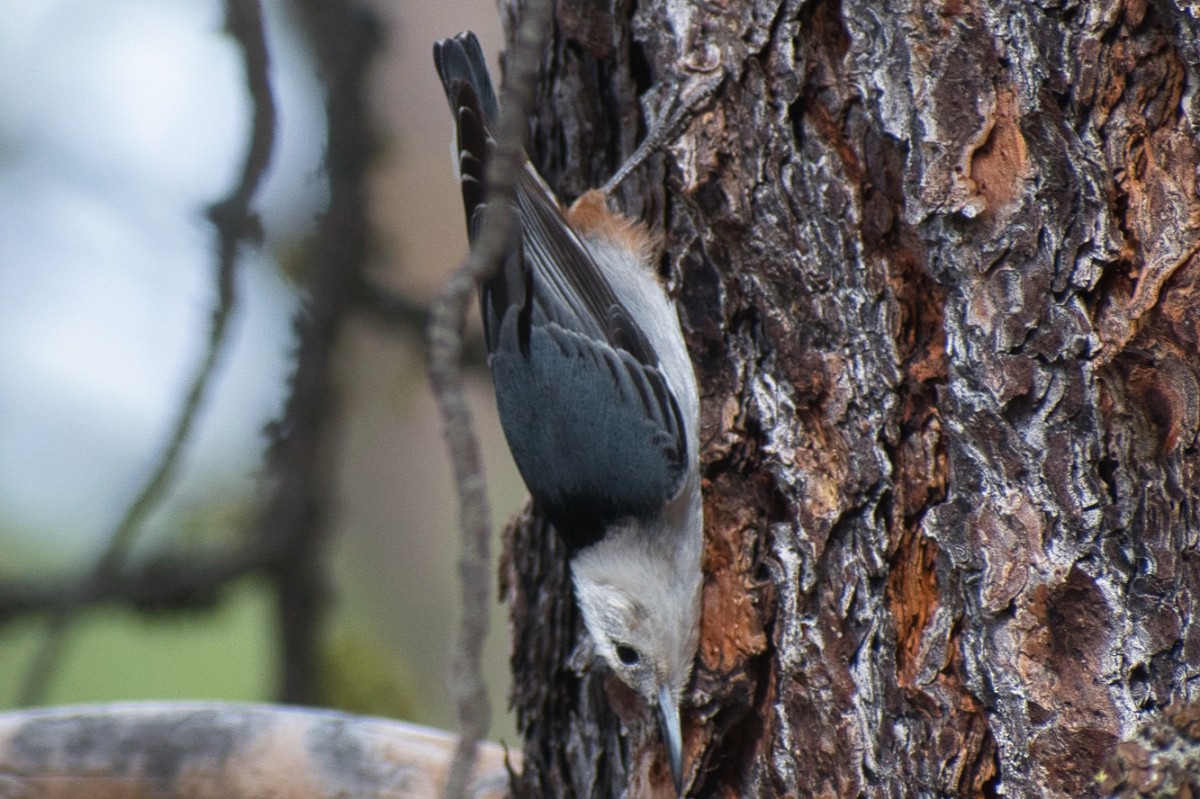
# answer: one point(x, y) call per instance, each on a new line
point(597, 398)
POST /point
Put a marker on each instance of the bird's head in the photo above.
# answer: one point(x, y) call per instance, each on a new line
point(639, 591)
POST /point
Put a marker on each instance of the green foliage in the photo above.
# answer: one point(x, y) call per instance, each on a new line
point(224, 653)
point(362, 675)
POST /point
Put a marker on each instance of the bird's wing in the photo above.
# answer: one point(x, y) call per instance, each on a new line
point(569, 285)
point(595, 433)
point(587, 409)
point(589, 414)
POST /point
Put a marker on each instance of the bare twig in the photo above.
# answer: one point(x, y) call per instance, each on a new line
point(165, 582)
point(344, 38)
point(409, 315)
point(234, 224)
point(445, 372)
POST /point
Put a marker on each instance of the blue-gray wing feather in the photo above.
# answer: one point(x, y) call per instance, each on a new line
point(588, 413)
point(591, 428)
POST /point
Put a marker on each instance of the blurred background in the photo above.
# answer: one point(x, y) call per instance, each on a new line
point(122, 121)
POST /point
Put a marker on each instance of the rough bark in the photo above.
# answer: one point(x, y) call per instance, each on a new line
point(937, 266)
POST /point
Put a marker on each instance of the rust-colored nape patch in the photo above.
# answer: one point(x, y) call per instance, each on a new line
point(1002, 162)
point(590, 217)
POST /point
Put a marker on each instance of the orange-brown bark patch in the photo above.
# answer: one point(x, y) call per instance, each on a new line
point(999, 166)
point(913, 597)
point(732, 628)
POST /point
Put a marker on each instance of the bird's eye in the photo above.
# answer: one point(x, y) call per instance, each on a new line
point(627, 654)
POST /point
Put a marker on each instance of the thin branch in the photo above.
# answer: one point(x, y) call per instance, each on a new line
point(167, 582)
point(409, 315)
point(445, 373)
point(234, 224)
point(345, 39)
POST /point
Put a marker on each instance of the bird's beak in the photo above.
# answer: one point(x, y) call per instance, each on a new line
point(668, 720)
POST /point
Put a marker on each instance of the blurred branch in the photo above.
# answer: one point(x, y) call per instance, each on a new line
point(235, 224)
point(344, 39)
point(191, 581)
point(285, 543)
point(445, 371)
point(411, 316)
point(133, 750)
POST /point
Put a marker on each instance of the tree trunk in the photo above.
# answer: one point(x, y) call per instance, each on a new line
point(937, 267)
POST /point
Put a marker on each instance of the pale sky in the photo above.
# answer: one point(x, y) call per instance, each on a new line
point(122, 120)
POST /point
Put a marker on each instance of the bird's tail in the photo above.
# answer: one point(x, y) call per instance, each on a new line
point(464, 73)
point(460, 61)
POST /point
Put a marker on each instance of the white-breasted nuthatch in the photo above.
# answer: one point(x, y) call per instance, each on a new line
point(598, 401)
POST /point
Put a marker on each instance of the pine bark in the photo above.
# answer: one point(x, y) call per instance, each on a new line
point(937, 267)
